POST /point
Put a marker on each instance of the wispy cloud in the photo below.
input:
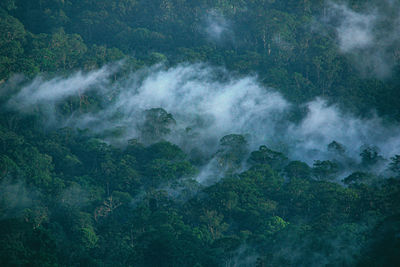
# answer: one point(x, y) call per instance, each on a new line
point(371, 36)
point(216, 27)
point(207, 103)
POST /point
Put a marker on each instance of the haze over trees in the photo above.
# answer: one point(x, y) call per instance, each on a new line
point(199, 133)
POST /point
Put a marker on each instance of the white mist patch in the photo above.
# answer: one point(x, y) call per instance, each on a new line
point(15, 198)
point(207, 103)
point(216, 26)
point(325, 123)
point(57, 89)
point(370, 37)
point(355, 30)
point(197, 100)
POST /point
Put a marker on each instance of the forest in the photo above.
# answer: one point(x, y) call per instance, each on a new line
point(199, 133)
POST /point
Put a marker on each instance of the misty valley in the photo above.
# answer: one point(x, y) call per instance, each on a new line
point(199, 133)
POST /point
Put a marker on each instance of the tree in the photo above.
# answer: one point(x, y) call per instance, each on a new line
point(298, 170)
point(325, 170)
point(164, 172)
point(394, 165)
point(12, 38)
point(265, 155)
point(358, 178)
point(233, 149)
point(214, 223)
point(157, 124)
point(58, 51)
point(165, 150)
point(370, 156)
point(336, 147)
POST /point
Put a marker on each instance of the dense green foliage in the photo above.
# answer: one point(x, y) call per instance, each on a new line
point(271, 38)
point(68, 198)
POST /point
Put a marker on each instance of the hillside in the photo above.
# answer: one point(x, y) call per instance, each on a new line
point(199, 133)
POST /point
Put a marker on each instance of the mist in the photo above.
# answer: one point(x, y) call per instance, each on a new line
point(216, 27)
point(207, 103)
point(200, 133)
point(370, 35)
point(15, 198)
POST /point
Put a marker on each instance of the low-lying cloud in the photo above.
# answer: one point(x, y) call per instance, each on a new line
point(216, 27)
point(207, 103)
point(370, 36)
point(15, 198)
